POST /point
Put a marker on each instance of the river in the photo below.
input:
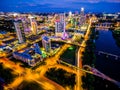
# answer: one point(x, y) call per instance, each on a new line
point(109, 66)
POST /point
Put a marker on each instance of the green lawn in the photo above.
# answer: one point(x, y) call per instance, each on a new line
point(69, 55)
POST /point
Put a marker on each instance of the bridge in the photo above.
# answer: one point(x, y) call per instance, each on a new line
point(68, 42)
point(103, 25)
point(100, 74)
point(93, 71)
point(108, 54)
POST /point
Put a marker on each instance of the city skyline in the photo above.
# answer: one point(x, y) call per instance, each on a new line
point(59, 45)
point(59, 6)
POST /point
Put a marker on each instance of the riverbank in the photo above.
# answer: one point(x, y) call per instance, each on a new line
point(116, 35)
point(107, 65)
point(88, 58)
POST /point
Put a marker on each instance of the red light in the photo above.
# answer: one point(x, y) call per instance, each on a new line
point(57, 21)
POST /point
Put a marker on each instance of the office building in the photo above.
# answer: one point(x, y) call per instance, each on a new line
point(70, 14)
point(20, 31)
point(82, 11)
point(46, 42)
point(24, 57)
point(60, 26)
point(82, 17)
point(33, 25)
point(29, 56)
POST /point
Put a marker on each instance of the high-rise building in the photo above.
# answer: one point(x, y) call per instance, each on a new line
point(46, 42)
point(20, 31)
point(26, 24)
point(76, 12)
point(82, 11)
point(82, 20)
point(34, 28)
point(60, 26)
point(82, 17)
point(70, 14)
point(33, 25)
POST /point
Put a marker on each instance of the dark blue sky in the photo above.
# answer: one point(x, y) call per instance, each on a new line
point(59, 5)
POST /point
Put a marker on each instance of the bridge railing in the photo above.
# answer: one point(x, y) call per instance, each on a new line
point(108, 54)
point(93, 71)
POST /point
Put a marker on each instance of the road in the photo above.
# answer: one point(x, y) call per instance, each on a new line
point(79, 58)
point(36, 75)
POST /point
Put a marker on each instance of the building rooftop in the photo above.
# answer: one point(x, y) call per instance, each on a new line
point(29, 53)
point(46, 38)
point(25, 55)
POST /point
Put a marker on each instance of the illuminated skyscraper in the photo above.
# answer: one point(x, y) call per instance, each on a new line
point(58, 29)
point(82, 17)
point(33, 25)
point(82, 11)
point(20, 31)
point(26, 24)
point(60, 26)
point(46, 42)
point(70, 14)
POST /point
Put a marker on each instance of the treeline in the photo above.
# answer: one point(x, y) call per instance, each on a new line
point(89, 59)
point(116, 35)
point(88, 54)
point(61, 77)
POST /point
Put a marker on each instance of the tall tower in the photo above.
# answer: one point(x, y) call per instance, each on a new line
point(46, 42)
point(82, 11)
point(26, 24)
point(82, 17)
point(33, 25)
point(60, 26)
point(70, 14)
point(20, 31)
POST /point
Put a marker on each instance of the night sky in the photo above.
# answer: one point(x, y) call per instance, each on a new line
point(59, 5)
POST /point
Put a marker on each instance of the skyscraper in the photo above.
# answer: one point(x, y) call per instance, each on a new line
point(20, 31)
point(60, 26)
point(82, 17)
point(46, 42)
point(82, 11)
point(26, 24)
point(70, 14)
point(33, 25)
